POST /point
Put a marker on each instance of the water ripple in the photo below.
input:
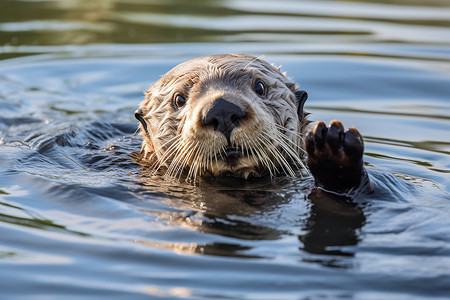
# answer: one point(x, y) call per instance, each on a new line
point(80, 216)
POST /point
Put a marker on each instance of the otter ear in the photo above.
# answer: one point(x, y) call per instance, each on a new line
point(300, 97)
point(138, 114)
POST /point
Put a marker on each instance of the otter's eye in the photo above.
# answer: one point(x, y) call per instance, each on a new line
point(179, 100)
point(260, 88)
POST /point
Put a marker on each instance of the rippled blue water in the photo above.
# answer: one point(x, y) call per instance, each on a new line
point(78, 216)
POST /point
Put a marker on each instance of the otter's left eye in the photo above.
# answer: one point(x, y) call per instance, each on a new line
point(260, 88)
point(179, 100)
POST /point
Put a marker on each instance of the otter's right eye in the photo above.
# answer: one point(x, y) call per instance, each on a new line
point(179, 100)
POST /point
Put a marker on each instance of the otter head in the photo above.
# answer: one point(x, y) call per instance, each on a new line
point(223, 115)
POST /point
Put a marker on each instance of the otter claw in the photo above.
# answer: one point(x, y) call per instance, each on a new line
point(335, 156)
point(335, 136)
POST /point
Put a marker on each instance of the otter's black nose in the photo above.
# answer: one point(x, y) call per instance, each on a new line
point(224, 116)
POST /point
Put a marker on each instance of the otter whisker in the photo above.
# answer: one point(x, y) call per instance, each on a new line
point(187, 159)
point(274, 150)
point(137, 131)
point(215, 151)
point(271, 152)
point(292, 145)
point(158, 150)
point(179, 152)
point(280, 139)
point(298, 135)
point(292, 149)
point(295, 132)
point(295, 149)
point(294, 156)
point(175, 141)
point(166, 155)
point(204, 159)
point(284, 129)
point(247, 147)
point(209, 161)
point(199, 168)
point(285, 162)
point(181, 159)
point(193, 168)
point(263, 155)
point(252, 61)
point(171, 155)
point(267, 162)
point(259, 155)
point(183, 162)
point(223, 150)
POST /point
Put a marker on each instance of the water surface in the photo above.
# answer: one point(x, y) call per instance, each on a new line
point(79, 216)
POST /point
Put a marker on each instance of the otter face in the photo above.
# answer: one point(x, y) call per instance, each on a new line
point(223, 115)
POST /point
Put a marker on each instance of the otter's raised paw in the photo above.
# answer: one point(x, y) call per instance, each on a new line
point(335, 156)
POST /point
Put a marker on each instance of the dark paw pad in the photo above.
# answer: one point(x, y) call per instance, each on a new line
point(335, 156)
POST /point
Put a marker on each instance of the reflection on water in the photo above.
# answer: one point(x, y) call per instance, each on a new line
point(79, 216)
point(332, 223)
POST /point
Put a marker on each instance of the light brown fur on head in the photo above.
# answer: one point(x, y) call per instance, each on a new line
point(269, 135)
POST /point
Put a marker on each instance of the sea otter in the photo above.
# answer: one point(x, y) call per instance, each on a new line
point(238, 115)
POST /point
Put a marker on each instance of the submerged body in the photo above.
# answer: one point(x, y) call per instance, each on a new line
point(238, 115)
